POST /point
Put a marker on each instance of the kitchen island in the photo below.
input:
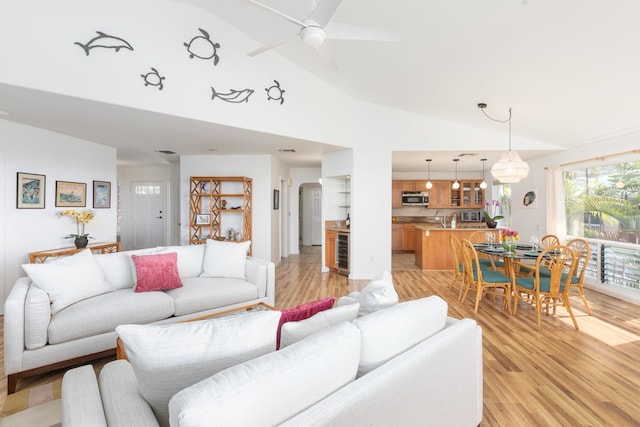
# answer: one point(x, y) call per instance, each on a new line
point(433, 251)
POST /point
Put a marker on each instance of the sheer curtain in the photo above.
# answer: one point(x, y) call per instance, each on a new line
point(556, 219)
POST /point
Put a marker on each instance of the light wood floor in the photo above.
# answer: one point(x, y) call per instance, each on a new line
point(554, 377)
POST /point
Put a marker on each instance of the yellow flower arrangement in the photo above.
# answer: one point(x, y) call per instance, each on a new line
point(81, 218)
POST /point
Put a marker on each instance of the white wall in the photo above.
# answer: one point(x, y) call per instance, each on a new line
point(60, 158)
point(279, 177)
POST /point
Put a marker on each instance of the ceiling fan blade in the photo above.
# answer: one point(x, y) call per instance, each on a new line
point(337, 31)
point(327, 56)
point(271, 45)
point(323, 12)
point(280, 14)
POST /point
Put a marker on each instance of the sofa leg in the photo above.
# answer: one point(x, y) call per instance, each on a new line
point(12, 383)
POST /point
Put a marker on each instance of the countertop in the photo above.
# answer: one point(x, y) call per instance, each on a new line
point(338, 228)
point(458, 228)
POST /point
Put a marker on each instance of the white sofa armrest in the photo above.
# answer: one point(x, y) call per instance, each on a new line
point(255, 274)
point(14, 326)
point(81, 401)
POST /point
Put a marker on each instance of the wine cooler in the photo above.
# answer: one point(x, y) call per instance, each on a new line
point(342, 253)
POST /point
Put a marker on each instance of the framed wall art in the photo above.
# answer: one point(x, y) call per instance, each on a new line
point(71, 194)
point(276, 199)
point(529, 200)
point(203, 219)
point(30, 192)
point(101, 194)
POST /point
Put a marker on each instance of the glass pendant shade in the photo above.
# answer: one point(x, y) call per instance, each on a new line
point(429, 185)
point(510, 168)
point(456, 184)
point(483, 184)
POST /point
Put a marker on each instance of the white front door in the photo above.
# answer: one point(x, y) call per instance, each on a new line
point(149, 214)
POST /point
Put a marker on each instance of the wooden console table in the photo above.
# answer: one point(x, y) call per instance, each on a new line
point(97, 248)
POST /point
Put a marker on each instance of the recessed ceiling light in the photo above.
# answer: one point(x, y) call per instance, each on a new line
point(211, 149)
point(467, 154)
point(287, 150)
point(166, 152)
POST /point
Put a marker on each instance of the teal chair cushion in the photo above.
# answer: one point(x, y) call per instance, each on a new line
point(545, 283)
point(491, 276)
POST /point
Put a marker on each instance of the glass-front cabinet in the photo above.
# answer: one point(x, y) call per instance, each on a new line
point(469, 195)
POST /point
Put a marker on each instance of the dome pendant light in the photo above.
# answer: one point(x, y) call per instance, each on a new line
point(456, 184)
point(510, 168)
point(483, 184)
point(429, 184)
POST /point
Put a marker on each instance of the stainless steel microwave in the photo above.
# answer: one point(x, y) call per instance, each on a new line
point(415, 198)
point(471, 216)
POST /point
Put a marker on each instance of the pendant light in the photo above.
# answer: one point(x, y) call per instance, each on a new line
point(456, 184)
point(483, 184)
point(429, 184)
point(510, 168)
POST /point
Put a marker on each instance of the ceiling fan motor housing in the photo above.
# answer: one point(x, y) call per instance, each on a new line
point(312, 35)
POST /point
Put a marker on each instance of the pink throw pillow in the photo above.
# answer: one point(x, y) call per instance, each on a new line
point(301, 312)
point(156, 272)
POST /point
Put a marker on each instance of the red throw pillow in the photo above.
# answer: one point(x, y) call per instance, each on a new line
point(301, 312)
point(156, 272)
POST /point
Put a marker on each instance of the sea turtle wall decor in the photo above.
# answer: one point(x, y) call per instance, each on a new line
point(233, 96)
point(153, 78)
point(202, 47)
point(105, 41)
point(275, 92)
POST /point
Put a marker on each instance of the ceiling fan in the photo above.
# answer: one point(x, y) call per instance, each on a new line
point(315, 29)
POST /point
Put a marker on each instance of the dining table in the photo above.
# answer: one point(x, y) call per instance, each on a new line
point(510, 259)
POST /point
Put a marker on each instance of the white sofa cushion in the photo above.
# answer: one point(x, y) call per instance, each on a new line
point(270, 389)
point(205, 293)
point(69, 279)
point(225, 259)
point(292, 332)
point(37, 315)
point(190, 259)
point(103, 313)
point(118, 268)
point(169, 358)
point(377, 295)
point(387, 333)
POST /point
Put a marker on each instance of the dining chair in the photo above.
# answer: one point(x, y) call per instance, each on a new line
point(552, 289)
point(487, 260)
point(582, 250)
point(458, 267)
point(546, 241)
point(485, 280)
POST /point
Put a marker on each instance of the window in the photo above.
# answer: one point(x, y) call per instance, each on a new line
point(147, 190)
point(502, 193)
point(603, 202)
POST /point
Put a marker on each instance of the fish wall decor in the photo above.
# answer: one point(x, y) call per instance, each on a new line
point(202, 47)
point(275, 92)
point(105, 41)
point(153, 78)
point(233, 96)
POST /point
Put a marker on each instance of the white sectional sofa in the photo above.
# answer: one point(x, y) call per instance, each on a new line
point(66, 311)
point(407, 365)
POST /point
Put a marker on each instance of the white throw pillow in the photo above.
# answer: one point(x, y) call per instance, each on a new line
point(225, 259)
point(295, 331)
point(118, 268)
point(387, 333)
point(169, 358)
point(68, 279)
point(190, 259)
point(270, 389)
point(378, 294)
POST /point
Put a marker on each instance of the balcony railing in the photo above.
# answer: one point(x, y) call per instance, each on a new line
point(615, 264)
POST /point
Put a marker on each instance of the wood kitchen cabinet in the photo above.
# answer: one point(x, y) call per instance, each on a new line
point(330, 248)
point(396, 194)
point(403, 237)
point(440, 194)
point(408, 185)
point(469, 195)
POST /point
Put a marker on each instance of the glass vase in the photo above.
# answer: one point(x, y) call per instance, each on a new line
point(509, 245)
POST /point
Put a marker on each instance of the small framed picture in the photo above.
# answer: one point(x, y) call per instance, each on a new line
point(203, 219)
point(101, 194)
point(276, 199)
point(30, 191)
point(71, 194)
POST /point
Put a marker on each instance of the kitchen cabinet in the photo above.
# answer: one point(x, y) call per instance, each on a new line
point(408, 185)
point(440, 194)
point(403, 237)
point(330, 248)
point(396, 194)
point(469, 195)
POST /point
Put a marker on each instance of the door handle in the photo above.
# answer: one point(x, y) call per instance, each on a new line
point(159, 217)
